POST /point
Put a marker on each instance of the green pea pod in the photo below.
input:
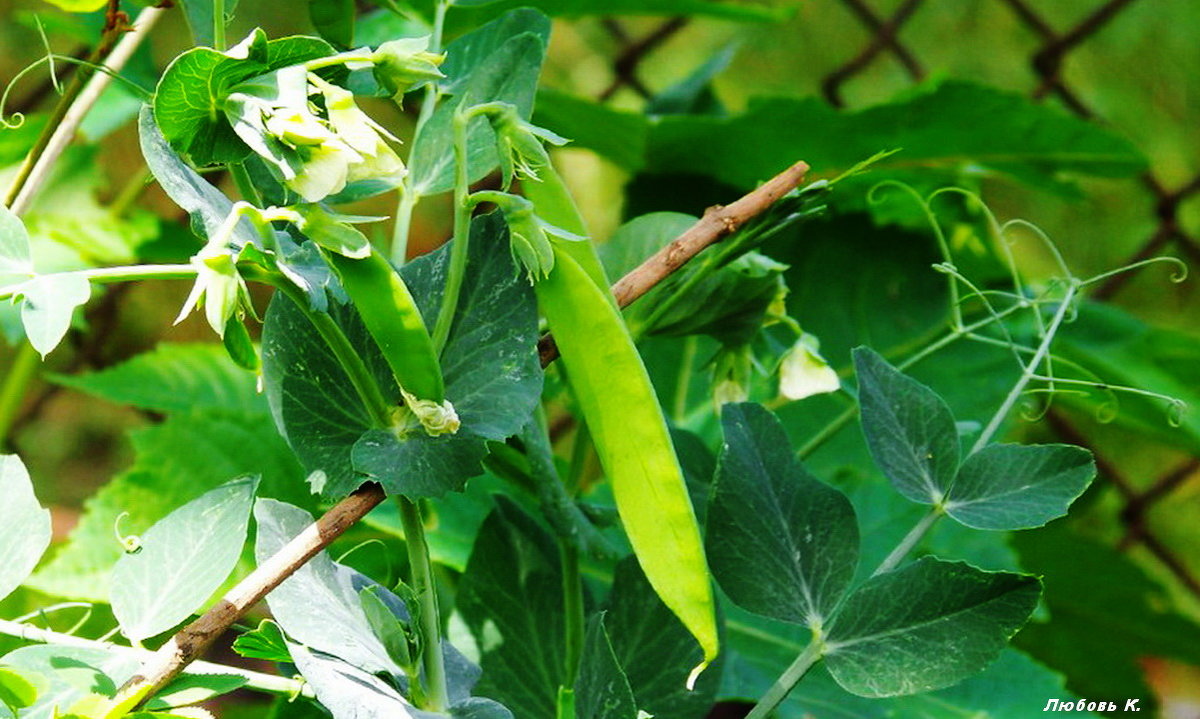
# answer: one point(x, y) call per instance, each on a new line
point(391, 316)
point(626, 422)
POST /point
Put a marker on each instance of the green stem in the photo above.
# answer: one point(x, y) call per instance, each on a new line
point(16, 382)
point(916, 534)
point(112, 275)
point(683, 384)
point(1030, 371)
point(218, 11)
point(573, 604)
point(437, 697)
point(462, 235)
point(788, 680)
point(580, 450)
point(257, 681)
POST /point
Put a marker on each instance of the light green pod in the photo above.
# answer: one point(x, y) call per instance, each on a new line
point(391, 315)
point(625, 420)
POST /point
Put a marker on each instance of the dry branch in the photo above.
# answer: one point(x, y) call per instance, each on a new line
point(192, 641)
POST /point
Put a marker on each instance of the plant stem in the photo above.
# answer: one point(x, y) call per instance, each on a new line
point(683, 384)
point(462, 236)
point(910, 540)
point(218, 11)
point(788, 680)
point(573, 604)
point(16, 382)
point(409, 197)
point(258, 681)
point(437, 697)
point(1030, 371)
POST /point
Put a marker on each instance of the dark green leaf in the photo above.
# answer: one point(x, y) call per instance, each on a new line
point(602, 689)
point(334, 20)
point(616, 135)
point(174, 378)
point(491, 370)
point(511, 598)
point(481, 10)
point(501, 62)
point(1012, 486)
point(184, 558)
point(908, 427)
point(951, 126)
point(655, 651)
point(694, 94)
point(265, 642)
point(780, 542)
point(24, 525)
point(925, 626)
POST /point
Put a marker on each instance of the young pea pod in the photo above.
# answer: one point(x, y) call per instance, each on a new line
point(626, 422)
point(391, 316)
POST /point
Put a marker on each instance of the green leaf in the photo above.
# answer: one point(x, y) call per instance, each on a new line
point(949, 127)
point(655, 651)
point(616, 135)
point(780, 542)
point(193, 689)
point(199, 14)
point(490, 366)
point(909, 429)
point(174, 378)
point(189, 100)
point(17, 689)
point(16, 263)
point(334, 20)
point(1012, 486)
point(925, 626)
point(602, 689)
point(475, 11)
point(347, 691)
point(70, 673)
point(265, 642)
point(48, 304)
point(499, 62)
point(165, 476)
point(511, 598)
point(24, 525)
point(184, 558)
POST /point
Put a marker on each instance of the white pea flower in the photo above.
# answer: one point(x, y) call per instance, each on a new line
point(803, 372)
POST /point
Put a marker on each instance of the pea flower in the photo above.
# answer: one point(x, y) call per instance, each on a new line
point(405, 64)
point(219, 288)
point(732, 368)
point(436, 419)
point(803, 372)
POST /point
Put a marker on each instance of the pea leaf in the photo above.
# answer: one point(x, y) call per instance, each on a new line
point(501, 62)
point(925, 626)
point(184, 559)
point(70, 674)
point(617, 135)
point(491, 371)
point(195, 688)
point(48, 303)
point(24, 525)
point(347, 691)
point(17, 690)
point(1012, 486)
point(780, 542)
point(264, 642)
point(909, 429)
point(655, 651)
point(189, 100)
point(334, 20)
point(511, 599)
point(16, 263)
point(602, 689)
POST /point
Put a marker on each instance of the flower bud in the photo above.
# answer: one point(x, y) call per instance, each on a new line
point(405, 64)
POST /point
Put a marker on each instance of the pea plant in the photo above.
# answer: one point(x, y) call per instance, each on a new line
point(525, 530)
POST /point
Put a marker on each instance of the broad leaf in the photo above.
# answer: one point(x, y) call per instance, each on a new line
point(195, 688)
point(616, 135)
point(16, 263)
point(17, 689)
point(780, 542)
point(165, 476)
point(334, 20)
point(1012, 486)
point(184, 558)
point(655, 651)
point(511, 598)
point(347, 691)
point(473, 12)
point(71, 673)
point(499, 62)
point(602, 689)
point(491, 370)
point(174, 378)
point(264, 642)
point(48, 304)
point(951, 127)
point(909, 429)
point(925, 626)
point(24, 525)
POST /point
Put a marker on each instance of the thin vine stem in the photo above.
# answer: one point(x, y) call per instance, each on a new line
point(462, 235)
point(914, 536)
point(788, 680)
point(421, 569)
point(218, 29)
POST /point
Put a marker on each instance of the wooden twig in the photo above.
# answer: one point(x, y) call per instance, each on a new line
point(192, 641)
point(717, 223)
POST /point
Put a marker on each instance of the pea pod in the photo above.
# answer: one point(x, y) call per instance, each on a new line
point(626, 422)
point(391, 316)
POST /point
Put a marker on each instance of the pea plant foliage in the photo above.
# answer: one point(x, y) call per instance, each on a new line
point(551, 498)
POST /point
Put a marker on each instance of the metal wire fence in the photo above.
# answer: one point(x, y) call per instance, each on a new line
point(1047, 63)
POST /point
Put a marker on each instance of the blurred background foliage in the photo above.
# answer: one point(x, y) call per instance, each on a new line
point(1077, 115)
